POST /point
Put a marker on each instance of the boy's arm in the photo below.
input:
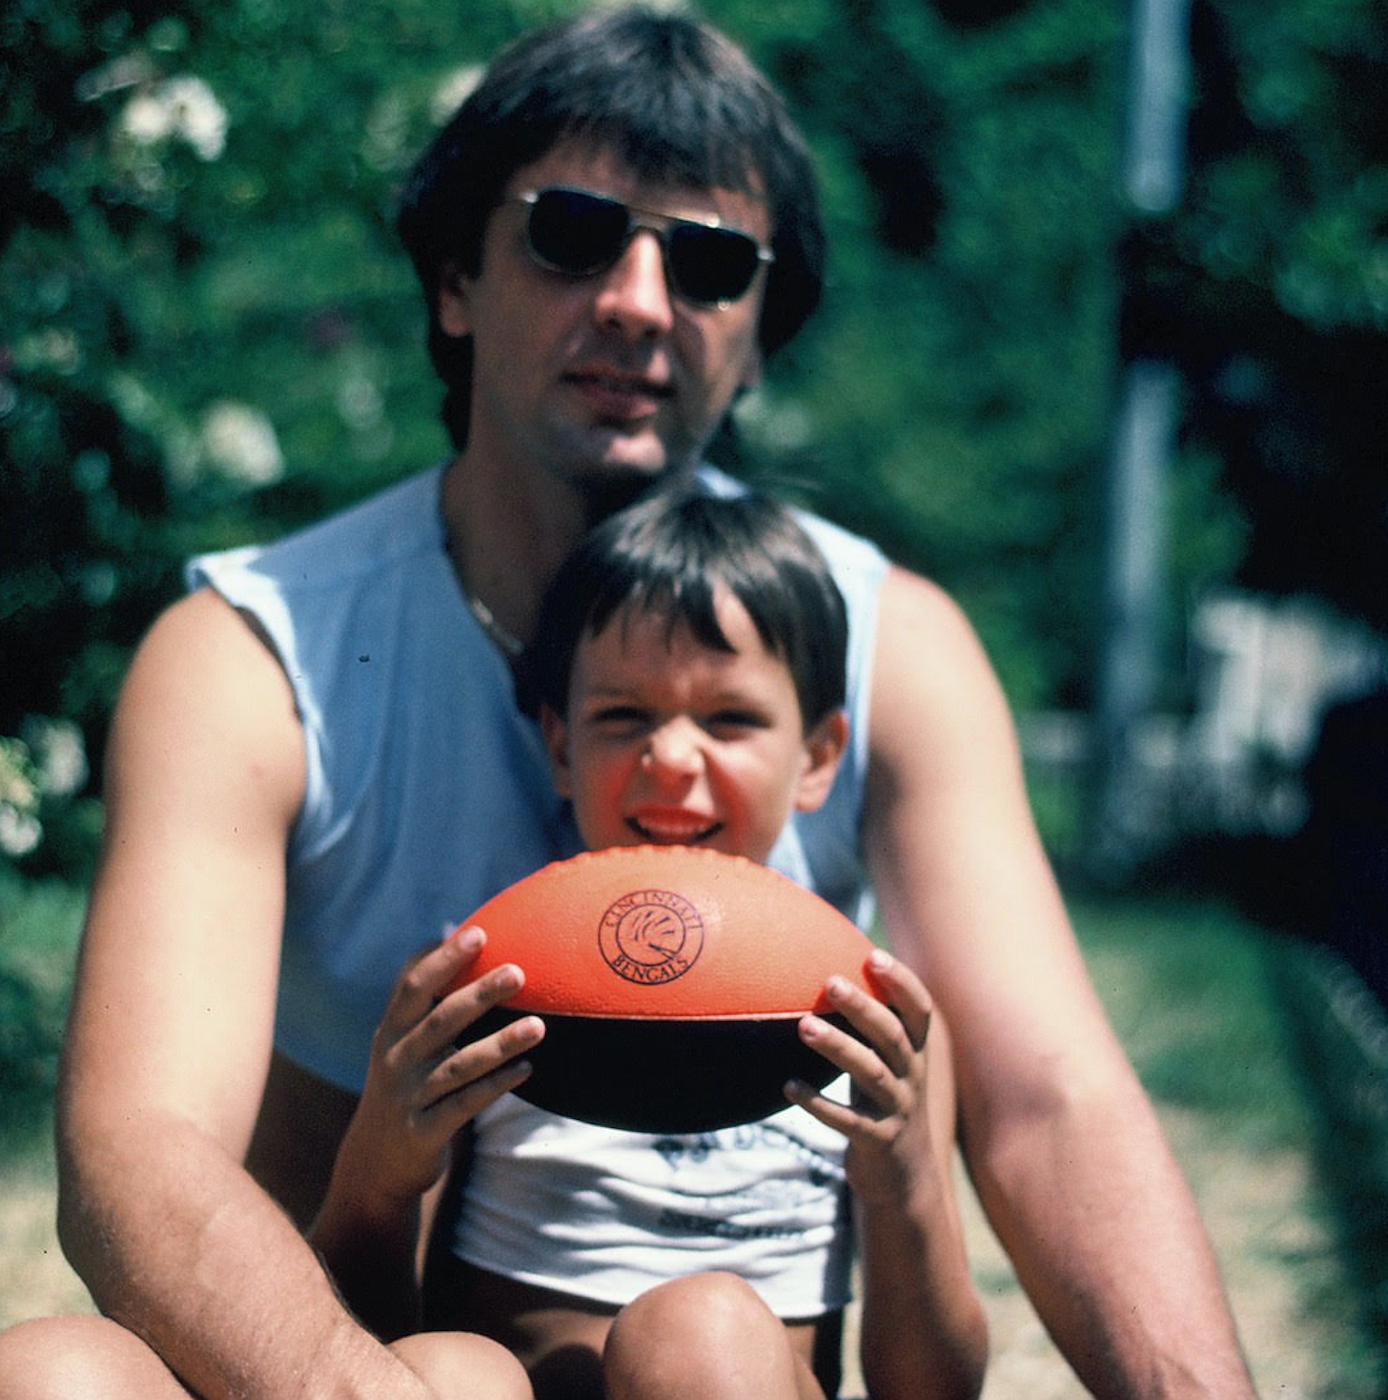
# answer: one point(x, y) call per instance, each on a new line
point(421, 1091)
point(169, 1036)
point(923, 1329)
point(1061, 1141)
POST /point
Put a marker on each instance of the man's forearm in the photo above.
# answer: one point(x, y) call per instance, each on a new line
point(179, 1245)
point(1101, 1227)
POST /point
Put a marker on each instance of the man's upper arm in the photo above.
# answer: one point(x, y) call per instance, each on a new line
point(966, 891)
point(174, 999)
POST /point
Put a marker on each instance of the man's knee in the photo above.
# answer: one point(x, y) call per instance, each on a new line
point(89, 1357)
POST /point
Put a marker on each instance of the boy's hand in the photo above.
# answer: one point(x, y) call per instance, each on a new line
point(888, 1122)
point(421, 1087)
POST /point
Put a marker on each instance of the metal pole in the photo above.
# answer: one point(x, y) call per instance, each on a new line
point(1146, 417)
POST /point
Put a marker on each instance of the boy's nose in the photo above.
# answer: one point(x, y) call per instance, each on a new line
point(634, 296)
point(673, 750)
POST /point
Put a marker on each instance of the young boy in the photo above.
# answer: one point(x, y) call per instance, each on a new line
point(688, 671)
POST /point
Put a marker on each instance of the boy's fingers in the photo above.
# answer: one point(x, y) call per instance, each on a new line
point(428, 975)
point(494, 1055)
point(832, 1114)
point(457, 1108)
point(879, 1025)
point(873, 1078)
point(904, 992)
point(434, 1037)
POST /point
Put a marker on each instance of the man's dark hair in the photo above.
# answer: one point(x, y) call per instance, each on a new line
point(671, 97)
point(667, 555)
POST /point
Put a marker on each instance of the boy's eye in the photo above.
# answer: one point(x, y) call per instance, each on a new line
point(735, 721)
point(619, 717)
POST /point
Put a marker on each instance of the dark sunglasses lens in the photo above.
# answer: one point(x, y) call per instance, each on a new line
point(578, 234)
point(575, 232)
point(711, 264)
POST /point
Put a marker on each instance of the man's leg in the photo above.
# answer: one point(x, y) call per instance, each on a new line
point(81, 1358)
point(709, 1337)
point(461, 1366)
point(93, 1358)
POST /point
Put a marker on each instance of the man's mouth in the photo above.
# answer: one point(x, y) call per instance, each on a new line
point(618, 394)
point(673, 827)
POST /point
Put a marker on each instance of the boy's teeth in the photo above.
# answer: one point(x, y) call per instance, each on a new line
point(663, 830)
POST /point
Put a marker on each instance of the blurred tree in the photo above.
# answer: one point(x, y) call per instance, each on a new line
point(206, 331)
point(85, 498)
point(953, 399)
point(1274, 287)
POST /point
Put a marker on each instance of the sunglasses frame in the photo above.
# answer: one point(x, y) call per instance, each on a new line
point(639, 219)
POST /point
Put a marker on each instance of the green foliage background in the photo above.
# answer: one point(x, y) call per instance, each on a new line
point(952, 399)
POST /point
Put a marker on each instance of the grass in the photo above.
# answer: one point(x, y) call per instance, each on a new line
point(1189, 988)
point(1274, 1044)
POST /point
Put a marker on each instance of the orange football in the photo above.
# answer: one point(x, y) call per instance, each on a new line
point(670, 981)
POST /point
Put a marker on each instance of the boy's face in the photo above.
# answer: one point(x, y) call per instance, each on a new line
point(670, 742)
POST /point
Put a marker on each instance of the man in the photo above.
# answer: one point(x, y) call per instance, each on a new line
point(611, 235)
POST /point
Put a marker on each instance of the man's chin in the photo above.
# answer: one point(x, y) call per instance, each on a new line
point(615, 487)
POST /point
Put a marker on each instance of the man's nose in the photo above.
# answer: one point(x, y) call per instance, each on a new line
point(634, 296)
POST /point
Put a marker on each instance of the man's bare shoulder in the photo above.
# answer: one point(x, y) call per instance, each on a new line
point(203, 625)
point(205, 682)
point(934, 687)
point(917, 610)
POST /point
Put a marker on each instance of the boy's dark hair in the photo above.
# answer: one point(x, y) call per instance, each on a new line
point(667, 554)
point(672, 97)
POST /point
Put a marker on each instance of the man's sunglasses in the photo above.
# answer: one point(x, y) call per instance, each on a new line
point(581, 234)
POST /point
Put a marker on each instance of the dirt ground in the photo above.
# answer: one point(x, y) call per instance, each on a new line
point(1287, 1288)
point(1289, 1293)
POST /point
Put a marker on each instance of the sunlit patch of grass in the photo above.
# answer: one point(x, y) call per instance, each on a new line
point(1224, 1019)
point(1189, 988)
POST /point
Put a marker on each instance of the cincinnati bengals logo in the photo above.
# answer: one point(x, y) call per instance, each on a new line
point(651, 936)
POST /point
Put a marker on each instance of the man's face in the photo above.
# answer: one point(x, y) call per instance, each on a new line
point(592, 378)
